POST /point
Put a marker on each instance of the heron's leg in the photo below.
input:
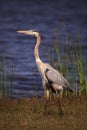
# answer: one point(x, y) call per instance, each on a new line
point(47, 99)
point(59, 104)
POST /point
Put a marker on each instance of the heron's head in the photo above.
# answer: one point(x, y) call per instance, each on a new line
point(29, 32)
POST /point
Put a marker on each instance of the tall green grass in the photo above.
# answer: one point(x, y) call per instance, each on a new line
point(70, 63)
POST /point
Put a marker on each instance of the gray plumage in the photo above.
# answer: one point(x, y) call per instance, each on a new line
point(57, 79)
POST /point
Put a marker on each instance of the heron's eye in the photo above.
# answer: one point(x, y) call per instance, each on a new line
point(31, 30)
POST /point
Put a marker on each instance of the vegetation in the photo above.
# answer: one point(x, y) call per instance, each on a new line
point(71, 64)
point(27, 114)
point(6, 84)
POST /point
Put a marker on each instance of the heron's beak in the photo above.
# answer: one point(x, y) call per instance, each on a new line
point(23, 31)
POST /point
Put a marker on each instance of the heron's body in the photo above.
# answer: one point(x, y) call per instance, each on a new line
point(51, 78)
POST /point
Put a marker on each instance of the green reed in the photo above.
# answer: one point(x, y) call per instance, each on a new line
point(79, 64)
point(2, 78)
point(6, 85)
point(71, 55)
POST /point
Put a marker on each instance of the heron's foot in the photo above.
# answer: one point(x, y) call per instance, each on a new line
point(60, 108)
point(60, 113)
point(45, 107)
point(44, 112)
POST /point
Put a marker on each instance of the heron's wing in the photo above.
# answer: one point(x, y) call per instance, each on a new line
point(55, 77)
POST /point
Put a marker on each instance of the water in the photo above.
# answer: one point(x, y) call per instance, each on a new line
point(45, 16)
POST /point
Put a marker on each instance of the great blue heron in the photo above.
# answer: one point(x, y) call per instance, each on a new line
point(51, 78)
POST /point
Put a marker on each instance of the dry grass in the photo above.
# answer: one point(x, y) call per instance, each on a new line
point(27, 114)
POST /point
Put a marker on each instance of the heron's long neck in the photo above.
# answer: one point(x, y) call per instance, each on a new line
point(36, 52)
